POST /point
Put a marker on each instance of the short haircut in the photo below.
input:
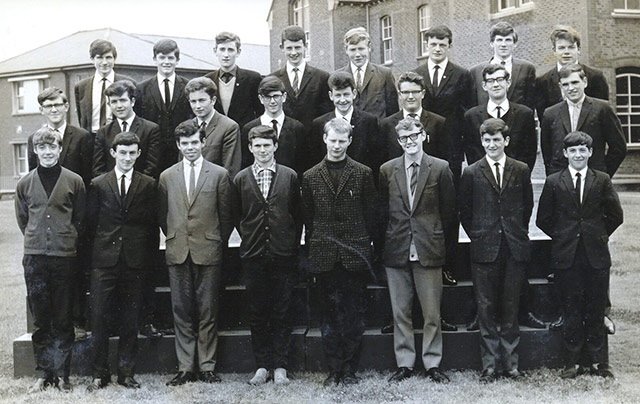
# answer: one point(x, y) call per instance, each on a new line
point(355, 36)
point(565, 32)
point(120, 87)
point(187, 129)
point(270, 84)
point(100, 46)
point(341, 80)
point(491, 68)
point(51, 93)
point(125, 139)
point(201, 83)
point(566, 71)
point(166, 47)
point(494, 125)
point(411, 77)
point(293, 33)
point(338, 125)
point(409, 123)
point(263, 132)
point(577, 138)
point(225, 36)
point(503, 28)
point(440, 32)
point(46, 135)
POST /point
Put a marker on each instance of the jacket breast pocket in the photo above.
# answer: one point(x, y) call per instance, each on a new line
point(212, 236)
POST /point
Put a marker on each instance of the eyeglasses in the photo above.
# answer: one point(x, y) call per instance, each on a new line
point(49, 106)
point(275, 98)
point(412, 136)
point(499, 80)
point(407, 93)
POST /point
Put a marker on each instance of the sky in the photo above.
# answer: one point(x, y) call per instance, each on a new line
point(28, 24)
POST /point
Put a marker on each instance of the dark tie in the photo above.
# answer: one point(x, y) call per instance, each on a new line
point(124, 126)
point(103, 104)
point(498, 180)
point(167, 94)
point(498, 112)
point(192, 181)
point(578, 186)
point(414, 116)
point(414, 177)
point(274, 123)
point(359, 79)
point(123, 189)
point(434, 82)
point(295, 83)
point(502, 62)
point(226, 76)
point(203, 127)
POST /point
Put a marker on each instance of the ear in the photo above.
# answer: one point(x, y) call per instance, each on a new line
point(564, 151)
point(113, 153)
point(506, 141)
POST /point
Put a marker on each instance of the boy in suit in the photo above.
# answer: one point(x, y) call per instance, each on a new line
point(123, 228)
point(50, 206)
point(418, 198)
point(579, 210)
point(196, 216)
point(496, 199)
point(268, 217)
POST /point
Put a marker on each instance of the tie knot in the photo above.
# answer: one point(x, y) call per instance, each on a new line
point(274, 121)
point(295, 69)
point(496, 164)
point(578, 175)
point(502, 62)
point(414, 116)
point(104, 79)
point(414, 165)
point(192, 164)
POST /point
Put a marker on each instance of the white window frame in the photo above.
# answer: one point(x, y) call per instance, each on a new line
point(626, 11)
point(302, 18)
point(424, 23)
point(626, 110)
point(515, 7)
point(386, 36)
point(21, 105)
point(18, 159)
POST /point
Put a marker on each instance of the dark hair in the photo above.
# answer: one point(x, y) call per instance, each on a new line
point(494, 125)
point(120, 87)
point(45, 135)
point(355, 36)
point(411, 77)
point(338, 125)
point(440, 32)
point(201, 83)
point(340, 80)
point(293, 33)
point(409, 123)
point(565, 32)
point(166, 47)
point(577, 138)
point(125, 139)
point(567, 70)
point(100, 46)
point(227, 37)
point(492, 68)
point(263, 132)
point(51, 93)
point(270, 84)
point(503, 28)
point(187, 129)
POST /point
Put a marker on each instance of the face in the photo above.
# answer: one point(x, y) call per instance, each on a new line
point(411, 140)
point(494, 145)
point(122, 105)
point(190, 147)
point(55, 111)
point(166, 63)
point(411, 95)
point(566, 52)
point(104, 63)
point(201, 103)
point(125, 156)
point(503, 46)
point(573, 87)
point(358, 53)
point(273, 102)
point(343, 99)
point(578, 156)
point(438, 49)
point(227, 53)
point(262, 150)
point(293, 51)
point(48, 153)
point(337, 144)
point(496, 85)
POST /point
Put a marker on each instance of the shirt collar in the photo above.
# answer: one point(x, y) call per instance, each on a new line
point(347, 117)
point(129, 121)
point(354, 68)
point(559, 66)
point(491, 161)
point(233, 72)
point(61, 129)
point(127, 175)
point(161, 78)
point(110, 77)
point(197, 163)
point(578, 104)
point(257, 168)
point(496, 60)
point(504, 106)
point(207, 119)
point(583, 172)
point(300, 67)
point(408, 161)
point(443, 65)
point(406, 113)
point(266, 119)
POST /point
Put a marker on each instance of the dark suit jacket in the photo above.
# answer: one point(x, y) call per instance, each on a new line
point(436, 144)
point(378, 95)
point(76, 154)
point(127, 230)
point(83, 92)
point(341, 222)
point(432, 220)
point(548, 88)
point(150, 147)
point(288, 153)
point(567, 221)
point(523, 82)
point(488, 214)
point(598, 120)
point(245, 105)
point(523, 139)
point(222, 143)
point(149, 105)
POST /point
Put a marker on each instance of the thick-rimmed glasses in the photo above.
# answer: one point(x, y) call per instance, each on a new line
point(412, 136)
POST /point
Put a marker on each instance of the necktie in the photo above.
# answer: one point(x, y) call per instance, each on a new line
point(192, 181)
point(414, 116)
point(203, 127)
point(498, 180)
point(498, 112)
point(574, 117)
point(579, 186)
point(359, 78)
point(123, 189)
point(502, 62)
point(167, 94)
point(103, 104)
point(295, 83)
point(124, 126)
point(434, 82)
point(414, 177)
point(226, 76)
point(274, 123)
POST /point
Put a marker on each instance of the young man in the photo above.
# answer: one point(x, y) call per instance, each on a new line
point(221, 134)
point(162, 99)
point(121, 95)
point(123, 228)
point(196, 216)
point(268, 217)
point(374, 83)
point(503, 40)
point(290, 133)
point(496, 199)
point(50, 205)
point(579, 210)
point(91, 102)
point(340, 211)
point(418, 198)
point(566, 48)
point(237, 87)
point(365, 146)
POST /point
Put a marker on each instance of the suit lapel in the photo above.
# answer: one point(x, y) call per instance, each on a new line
point(346, 173)
point(112, 180)
point(515, 73)
point(133, 189)
point(179, 177)
point(585, 111)
point(588, 184)
point(306, 77)
point(203, 171)
point(567, 181)
point(564, 116)
point(287, 84)
point(448, 72)
point(324, 173)
point(157, 97)
point(178, 89)
point(507, 173)
point(425, 168)
point(400, 175)
point(66, 140)
point(488, 172)
point(368, 74)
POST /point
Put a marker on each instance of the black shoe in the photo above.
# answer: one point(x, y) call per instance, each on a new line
point(604, 371)
point(208, 376)
point(149, 331)
point(128, 382)
point(513, 374)
point(586, 370)
point(401, 374)
point(42, 384)
point(97, 383)
point(474, 326)
point(488, 376)
point(558, 324)
point(350, 378)
point(569, 372)
point(532, 321)
point(437, 375)
point(332, 380)
point(387, 329)
point(446, 326)
point(448, 279)
point(65, 385)
point(182, 378)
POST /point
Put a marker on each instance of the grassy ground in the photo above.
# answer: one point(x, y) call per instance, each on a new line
point(541, 386)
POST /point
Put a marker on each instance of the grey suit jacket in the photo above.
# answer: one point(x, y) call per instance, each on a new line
point(378, 95)
point(83, 92)
point(523, 80)
point(222, 143)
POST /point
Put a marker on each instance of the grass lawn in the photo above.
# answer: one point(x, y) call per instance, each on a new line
point(541, 386)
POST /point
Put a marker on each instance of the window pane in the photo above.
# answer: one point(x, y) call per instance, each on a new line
point(635, 134)
point(635, 119)
point(635, 85)
point(635, 101)
point(633, 4)
point(622, 84)
point(622, 101)
point(618, 3)
point(624, 119)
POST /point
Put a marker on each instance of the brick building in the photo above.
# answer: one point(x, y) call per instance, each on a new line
point(610, 38)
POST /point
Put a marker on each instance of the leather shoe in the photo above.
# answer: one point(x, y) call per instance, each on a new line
point(401, 374)
point(97, 383)
point(532, 321)
point(488, 376)
point(448, 279)
point(149, 331)
point(604, 371)
point(182, 378)
point(569, 372)
point(551, 277)
point(208, 376)
point(446, 326)
point(609, 325)
point(558, 324)
point(474, 326)
point(42, 384)
point(65, 385)
point(128, 382)
point(350, 378)
point(513, 374)
point(437, 375)
point(332, 380)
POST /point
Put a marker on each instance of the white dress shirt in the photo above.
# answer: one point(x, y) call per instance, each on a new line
point(127, 179)
point(573, 114)
point(172, 81)
point(129, 122)
point(266, 120)
point(60, 130)
point(413, 253)
point(187, 170)
point(405, 113)
point(508, 63)
point(291, 74)
point(492, 165)
point(347, 116)
point(96, 97)
point(492, 108)
point(583, 176)
point(431, 66)
point(354, 71)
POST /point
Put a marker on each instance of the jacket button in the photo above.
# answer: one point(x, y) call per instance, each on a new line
point(120, 238)
point(266, 227)
point(48, 216)
point(499, 231)
point(578, 235)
